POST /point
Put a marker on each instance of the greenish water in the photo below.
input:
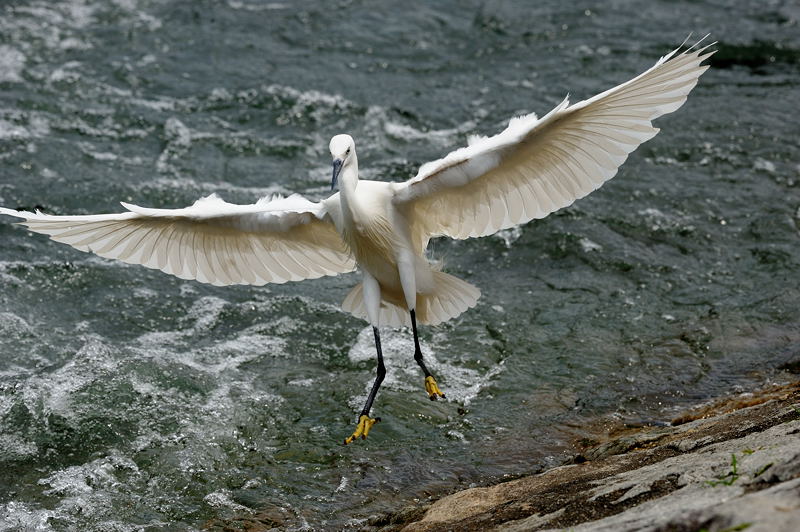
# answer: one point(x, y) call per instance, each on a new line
point(131, 400)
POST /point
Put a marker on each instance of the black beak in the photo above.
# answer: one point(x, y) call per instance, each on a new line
point(337, 168)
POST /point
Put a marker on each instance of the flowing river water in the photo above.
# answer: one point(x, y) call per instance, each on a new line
point(131, 400)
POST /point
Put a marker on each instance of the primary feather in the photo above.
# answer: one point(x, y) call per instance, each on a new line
point(536, 166)
point(272, 241)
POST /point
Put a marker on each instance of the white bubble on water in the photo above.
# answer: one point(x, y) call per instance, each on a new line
point(589, 245)
point(12, 62)
point(53, 393)
point(459, 384)
point(441, 137)
point(223, 499)
point(764, 165)
point(14, 447)
point(19, 516)
point(509, 236)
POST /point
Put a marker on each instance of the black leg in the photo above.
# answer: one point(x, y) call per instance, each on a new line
point(430, 383)
point(364, 421)
point(381, 373)
point(417, 350)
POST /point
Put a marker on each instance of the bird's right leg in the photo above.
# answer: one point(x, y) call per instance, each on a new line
point(372, 300)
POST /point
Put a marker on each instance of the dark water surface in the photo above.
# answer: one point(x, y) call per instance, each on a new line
point(132, 400)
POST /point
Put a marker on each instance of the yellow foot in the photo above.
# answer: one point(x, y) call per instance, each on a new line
point(432, 388)
point(364, 424)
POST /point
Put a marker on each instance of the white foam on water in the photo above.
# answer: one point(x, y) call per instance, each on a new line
point(308, 104)
point(100, 474)
point(147, 21)
point(66, 73)
point(342, 485)
point(7, 402)
point(303, 383)
point(12, 131)
point(58, 26)
point(101, 156)
point(589, 245)
point(20, 347)
point(205, 312)
point(179, 139)
point(108, 130)
point(177, 133)
point(509, 236)
point(79, 14)
point(155, 344)
point(763, 165)
point(459, 384)
point(456, 435)
point(231, 354)
point(37, 126)
point(260, 6)
point(442, 137)
point(13, 326)
point(209, 187)
point(12, 61)
point(209, 415)
point(94, 492)
point(20, 516)
point(95, 90)
point(6, 278)
point(145, 293)
point(159, 103)
point(53, 393)
point(223, 499)
point(660, 221)
point(14, 447)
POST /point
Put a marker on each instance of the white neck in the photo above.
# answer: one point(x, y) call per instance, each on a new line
point(348, 178)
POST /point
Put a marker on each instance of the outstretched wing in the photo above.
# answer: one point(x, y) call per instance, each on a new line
point(272, 241)
point(536, 166)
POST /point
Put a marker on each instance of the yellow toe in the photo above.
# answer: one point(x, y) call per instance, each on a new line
point(432, 388)
point(362, 429)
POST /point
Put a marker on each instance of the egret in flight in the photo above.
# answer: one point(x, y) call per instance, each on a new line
point(532, 168)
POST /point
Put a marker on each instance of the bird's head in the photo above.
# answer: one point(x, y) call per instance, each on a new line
point(343, 151)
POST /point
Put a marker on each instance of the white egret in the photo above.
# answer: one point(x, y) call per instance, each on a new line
point(532, 168)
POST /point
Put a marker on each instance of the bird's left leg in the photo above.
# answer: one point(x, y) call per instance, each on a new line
point(430, 383)
point(372, 300)
point(408, 281)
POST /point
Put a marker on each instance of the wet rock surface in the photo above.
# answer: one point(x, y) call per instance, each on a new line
point(731, 465)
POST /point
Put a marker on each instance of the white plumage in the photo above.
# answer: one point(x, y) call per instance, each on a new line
point(272, 241)
point(532, 168)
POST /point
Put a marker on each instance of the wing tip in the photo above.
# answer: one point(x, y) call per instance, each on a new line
point(696, 49)
point(24, 215)
point(691, 50)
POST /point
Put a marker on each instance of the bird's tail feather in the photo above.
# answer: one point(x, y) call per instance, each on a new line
point(450, 297)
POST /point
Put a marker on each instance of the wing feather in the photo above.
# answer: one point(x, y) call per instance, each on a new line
point(272, 241)
point(536, 166)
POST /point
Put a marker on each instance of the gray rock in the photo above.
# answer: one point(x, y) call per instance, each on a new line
point(736, 470)
point(711, 489)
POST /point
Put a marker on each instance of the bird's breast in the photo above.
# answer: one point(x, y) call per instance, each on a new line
point(371, 239)
point(373, 230)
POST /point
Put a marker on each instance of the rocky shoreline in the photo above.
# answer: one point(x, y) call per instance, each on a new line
point(731, 465)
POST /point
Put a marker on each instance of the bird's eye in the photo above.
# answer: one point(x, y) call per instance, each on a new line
point(347, 152)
